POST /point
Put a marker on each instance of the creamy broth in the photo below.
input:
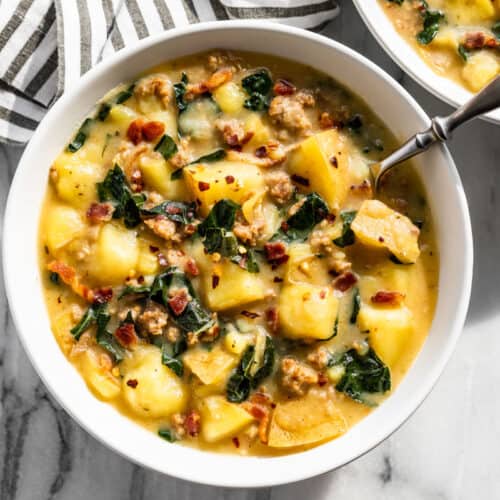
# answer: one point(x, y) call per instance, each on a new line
point(215, 263)
point(459, 39)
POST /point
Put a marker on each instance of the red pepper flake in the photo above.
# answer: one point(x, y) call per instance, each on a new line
point(236, 442)
point(178, 301)
point(381, 239)
point(250, 314)
point(277, 279)
point(322, 379)
point(192, 423)
point(229, 179)
point(102, 295)
point(388, 298)
point(283, 87)
point(298, 179)
point(198, 202)
point(59, 300)
point(125, 334)
point(140, 279)
point(191, 267)
point(345, 281)
point(162, 260)
point(334, 162)
point(284, 226)
point(272, 319)
point(215, 281)
point(203, 186)
point(132, 382)
point(261, 152)
point(322, 294)
point(153, 249)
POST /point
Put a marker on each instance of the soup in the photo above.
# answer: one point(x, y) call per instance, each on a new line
point(216, 264)
point(459, 39)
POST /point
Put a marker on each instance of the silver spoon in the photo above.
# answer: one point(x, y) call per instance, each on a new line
point(441, 129)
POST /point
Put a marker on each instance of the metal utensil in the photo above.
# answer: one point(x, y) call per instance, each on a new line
point(441, 129)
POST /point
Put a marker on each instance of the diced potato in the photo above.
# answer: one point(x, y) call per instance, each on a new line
point(168, 118)
point(307, 311)
point(116, 254)
point(480, 69)
point(386, 276)
point(156, 173)
point(62, 225)
point(211, 367)
point(446, 38)
point(469, 12)
point(159, 391)
point(379, 226)
point(76, 183)
point(313, 161)
point(304, 267)
point(208, 182)
point(254, 123)
point(236, 342)
point(147, 262)
point(230, 97)
point(221, 419)
point(121, 116)
point(311, 419)
point(390, 329)
point(100, 380)
point(259, 209)
point(236, 286)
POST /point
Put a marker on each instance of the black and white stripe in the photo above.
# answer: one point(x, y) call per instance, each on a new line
point(46, 45)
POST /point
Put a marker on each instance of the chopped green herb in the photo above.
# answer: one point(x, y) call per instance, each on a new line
point(347, 237)
point(167, 435)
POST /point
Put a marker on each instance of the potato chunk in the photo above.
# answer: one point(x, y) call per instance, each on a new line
point(221, 419)
point(310, 419)
point(100, 380)
point(379, 226)
point(390, 330)
point(304, 267)
point(323, 160)
point(209, 183)
point(62, 225)
point(156, 173)
point(211, 367)
point(159, 392)
point(307, 311)
point(469, 12)
point(480, 69)
point(116, 254)
point(230, 97)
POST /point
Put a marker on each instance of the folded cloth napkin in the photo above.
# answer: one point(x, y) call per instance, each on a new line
point(46, 45)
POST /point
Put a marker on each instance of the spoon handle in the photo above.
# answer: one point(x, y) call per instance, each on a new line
point(442, 127)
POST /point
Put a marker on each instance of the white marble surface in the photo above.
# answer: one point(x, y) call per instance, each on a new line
point(449, 449)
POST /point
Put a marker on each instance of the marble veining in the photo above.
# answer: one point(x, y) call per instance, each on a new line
point(448, 450)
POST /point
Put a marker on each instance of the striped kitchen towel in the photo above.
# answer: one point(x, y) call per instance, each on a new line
point(46, 45)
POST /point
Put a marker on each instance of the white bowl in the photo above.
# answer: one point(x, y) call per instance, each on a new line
point(408, 59)
point(393, 105)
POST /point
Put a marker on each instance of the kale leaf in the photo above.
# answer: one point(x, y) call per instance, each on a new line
point(167, 435)
point(364, 373)
point(347, 237)
point(180, 91)
point(297, 227)
point(176, 211)
point(431, 22)
point(258, 86)
point(119, 98)
point(356, 306)
point(166, 147)
point(81, 136)
point(218, 154)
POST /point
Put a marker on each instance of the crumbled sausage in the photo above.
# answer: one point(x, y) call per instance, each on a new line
point(163, 227)
point(297, 377)
point(233, 132)
point(153, 319)
point(158, 85)
point(216, 79)
point(192, 423)
point(289, 112)
point(319, 358)
point(183, 156)
point(280, 186)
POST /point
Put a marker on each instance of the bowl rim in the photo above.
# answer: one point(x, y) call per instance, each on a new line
point(287, 468)
point(406, 57)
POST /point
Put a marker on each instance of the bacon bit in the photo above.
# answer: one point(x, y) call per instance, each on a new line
point(191, 267)
point(298, 179)
point(140, 279)
point(192, 423)
point(125, 334)
point(99, 212)
point(103, 295)
point(325, 120)
point(132, 383)
point(59, 300)
point(478, 40)
point(381, 239)
point(334, 162)
point(259, 406)
point(134, 131)
point(283, 87)
point(215, 80)
point(345, 281)
point(331, 218)
point(153, 249)
point(203, 186)
point(277, 279)
point(152, 130)
point(162, 260)
point(388, 298)
point(275, 253)
point(69, 277)
point(272, 319)
point(215, 281)
point(229, 179)
point(178, 301)
point(235, 142)
point(250, 314)
point(236, 442)
point(261, 152)
point(322, 379)
point(284, 226)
